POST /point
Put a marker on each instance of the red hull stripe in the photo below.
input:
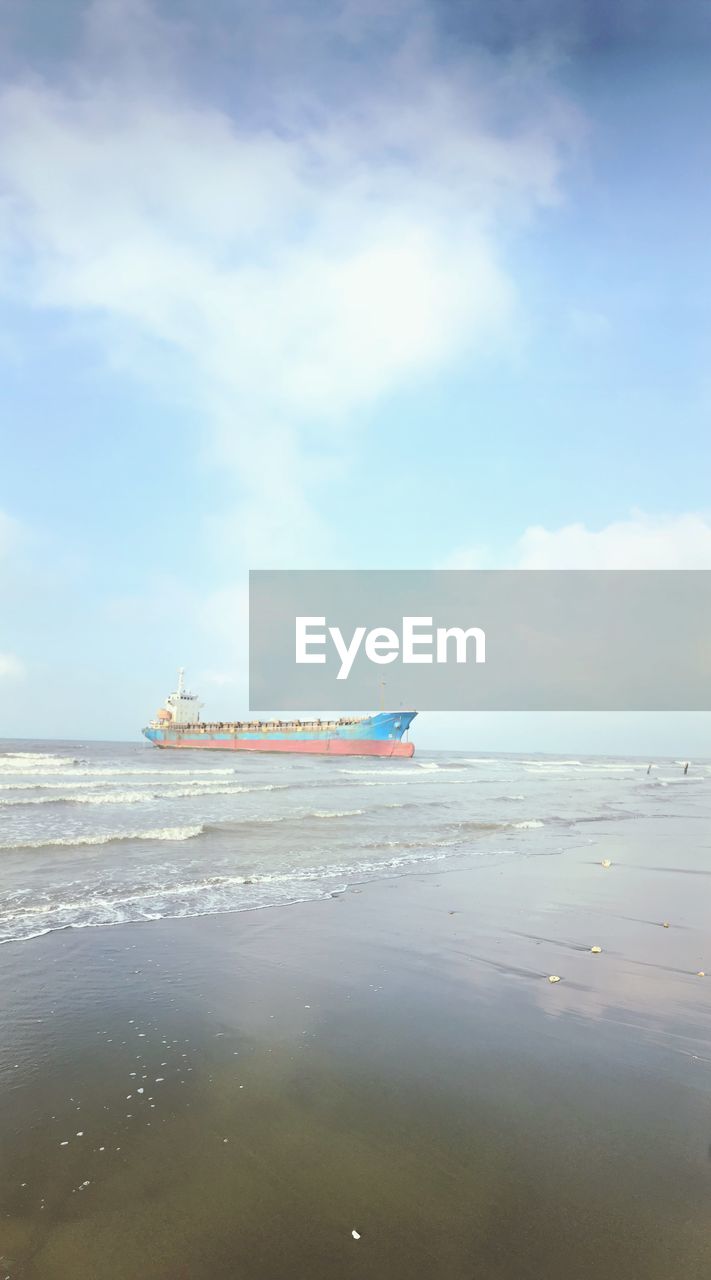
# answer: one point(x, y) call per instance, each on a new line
point(326, 747)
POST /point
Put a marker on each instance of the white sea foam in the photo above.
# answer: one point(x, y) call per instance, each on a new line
point(83, 769)
point(581, 766)
point(683, 779)
point(108, 837)
point(174, 792)
point(527, 826)
point(384, 772)
point(197, 774)
point(31, 762)
point(336, 813)
point(29, 800)
point(48, 786)
point(113, 797)
point(211, 895)
point(34, 755)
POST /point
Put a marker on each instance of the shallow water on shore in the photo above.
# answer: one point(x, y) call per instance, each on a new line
point(102, 833)
point(235, 1096)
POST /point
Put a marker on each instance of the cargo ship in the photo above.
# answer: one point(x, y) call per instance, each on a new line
point(178, 725)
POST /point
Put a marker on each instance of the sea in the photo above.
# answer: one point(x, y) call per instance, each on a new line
point(99, 834)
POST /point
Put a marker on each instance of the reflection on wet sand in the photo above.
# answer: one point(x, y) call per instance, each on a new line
point(384, 1083)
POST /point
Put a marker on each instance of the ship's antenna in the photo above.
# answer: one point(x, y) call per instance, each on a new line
point(181, 682)
point(382, 695)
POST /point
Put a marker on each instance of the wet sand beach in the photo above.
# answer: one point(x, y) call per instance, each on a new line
point(236, 1095)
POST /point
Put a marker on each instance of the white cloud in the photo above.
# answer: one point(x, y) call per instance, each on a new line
point(278, 275)
point(298, 268)
point(11, 668)
point(640, 542)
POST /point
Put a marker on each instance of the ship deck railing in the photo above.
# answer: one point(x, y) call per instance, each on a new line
point(234, 726)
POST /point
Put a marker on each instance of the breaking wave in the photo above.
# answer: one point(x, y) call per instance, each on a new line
point(140, 797)
point(204, 896)
point(336, 813)
point(109, 837)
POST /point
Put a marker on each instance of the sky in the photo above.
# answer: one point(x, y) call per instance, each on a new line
point(339, 285)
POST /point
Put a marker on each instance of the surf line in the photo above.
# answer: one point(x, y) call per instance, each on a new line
point(383, 644)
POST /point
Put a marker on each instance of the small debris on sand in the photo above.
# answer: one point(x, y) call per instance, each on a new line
point(606, 862)
point(356, 1235)
point(553, 977)
point(596, 950)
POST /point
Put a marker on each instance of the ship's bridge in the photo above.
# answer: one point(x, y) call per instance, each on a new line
point(182, 707)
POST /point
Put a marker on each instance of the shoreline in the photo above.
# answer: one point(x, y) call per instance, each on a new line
point(391, 1060)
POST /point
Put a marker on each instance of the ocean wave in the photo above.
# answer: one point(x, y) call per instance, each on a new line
point(176, 888)
point(683, 780)
point(335, 813)
point(36, 755)
point(384, 770)
point(108, 837)
point(475, 824)
point(115, 797)
point(232, 826)
point(447, 766)
point(396, 776)
point(84, 769)
point(139, 797)
point(423, 844)
point(23, 762)
point(156, 773)
point(209, 895)
point(48, 786)
point(72, 784)
point(581, 766)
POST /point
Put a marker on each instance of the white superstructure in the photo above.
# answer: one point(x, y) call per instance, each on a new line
point(183, 707)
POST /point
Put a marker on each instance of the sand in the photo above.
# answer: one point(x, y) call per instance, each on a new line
point(382, 1084)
